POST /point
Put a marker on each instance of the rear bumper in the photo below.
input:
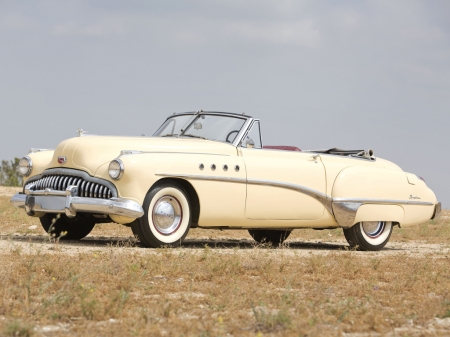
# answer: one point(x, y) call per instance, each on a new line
point(437, 211)
point(51, 201)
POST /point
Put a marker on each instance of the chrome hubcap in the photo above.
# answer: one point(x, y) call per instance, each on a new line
point(373, 229)
point(167, 215)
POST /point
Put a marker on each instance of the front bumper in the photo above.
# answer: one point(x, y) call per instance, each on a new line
point(52, 201)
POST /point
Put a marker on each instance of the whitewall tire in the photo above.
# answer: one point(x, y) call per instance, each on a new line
point(369, 235)
point(167, 217)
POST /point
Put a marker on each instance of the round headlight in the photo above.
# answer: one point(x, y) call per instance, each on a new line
point(115, 169)
point(25, 166)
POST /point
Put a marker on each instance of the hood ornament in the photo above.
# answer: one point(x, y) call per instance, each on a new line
point(80, 132)
point(62, 160)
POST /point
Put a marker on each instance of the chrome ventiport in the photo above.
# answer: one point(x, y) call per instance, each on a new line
point(213, 167)
point(201, 166)
point(225, 167)
point(237, 168)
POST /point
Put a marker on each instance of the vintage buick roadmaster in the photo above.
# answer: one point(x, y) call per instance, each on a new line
point(211, 170)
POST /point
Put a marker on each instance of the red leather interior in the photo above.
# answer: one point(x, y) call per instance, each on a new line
point(282, 147)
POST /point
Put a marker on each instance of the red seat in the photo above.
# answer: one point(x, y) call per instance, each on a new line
point(282, 147)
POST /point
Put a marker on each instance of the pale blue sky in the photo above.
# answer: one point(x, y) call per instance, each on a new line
point(319, 74)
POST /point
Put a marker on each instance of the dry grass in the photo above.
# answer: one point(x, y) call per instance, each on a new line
point(208, 293)
point(120, 290)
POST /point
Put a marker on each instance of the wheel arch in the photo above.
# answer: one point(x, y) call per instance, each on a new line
point(192, 194)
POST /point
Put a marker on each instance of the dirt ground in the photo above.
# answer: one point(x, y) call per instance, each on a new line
point(220, 283)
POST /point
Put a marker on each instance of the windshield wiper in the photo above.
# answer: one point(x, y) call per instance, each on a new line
point(169, 135)
point(193, 136)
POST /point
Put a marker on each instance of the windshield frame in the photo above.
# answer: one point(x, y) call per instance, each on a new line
point(196, 114)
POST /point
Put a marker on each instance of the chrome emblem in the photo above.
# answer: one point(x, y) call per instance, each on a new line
point(80, 132)
point(62, 160)
point(413, 197)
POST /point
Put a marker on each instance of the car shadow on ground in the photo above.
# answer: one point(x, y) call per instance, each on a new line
point(219, 243)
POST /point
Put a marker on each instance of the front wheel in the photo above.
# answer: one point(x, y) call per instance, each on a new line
point(273, 237)
point(66, 228)
point(369, 235)
point(167, 217)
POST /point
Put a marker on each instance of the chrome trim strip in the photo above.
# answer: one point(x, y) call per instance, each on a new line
point(344, 210)
point(51, 201)
point(167, 152)
point(34, 150)
point(76, 173)
point(211, 178)
point(381, 201)
point(319, 196)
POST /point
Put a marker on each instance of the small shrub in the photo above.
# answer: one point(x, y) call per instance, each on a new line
point(18, 329)
point(9, 176)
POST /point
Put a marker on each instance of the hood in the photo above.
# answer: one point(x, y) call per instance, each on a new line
point(88, 153)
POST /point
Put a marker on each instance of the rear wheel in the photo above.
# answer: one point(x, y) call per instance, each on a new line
point(67, 228)
point(167, 217)
point(369, 235)
point(274, 237)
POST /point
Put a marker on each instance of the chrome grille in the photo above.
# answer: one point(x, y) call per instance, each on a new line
point(86, 188)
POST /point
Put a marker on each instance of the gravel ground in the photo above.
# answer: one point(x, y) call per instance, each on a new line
point(31, 243)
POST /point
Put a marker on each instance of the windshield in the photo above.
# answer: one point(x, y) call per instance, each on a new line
point(212, 127)
point(172, 126)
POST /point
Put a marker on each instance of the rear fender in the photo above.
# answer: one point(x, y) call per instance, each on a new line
point(376, 194)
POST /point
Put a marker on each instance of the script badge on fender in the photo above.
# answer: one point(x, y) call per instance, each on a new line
point(62, 160)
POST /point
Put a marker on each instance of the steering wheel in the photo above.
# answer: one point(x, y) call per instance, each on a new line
point(234, 131)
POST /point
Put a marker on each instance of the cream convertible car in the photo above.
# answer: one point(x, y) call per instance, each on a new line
point(211, 170)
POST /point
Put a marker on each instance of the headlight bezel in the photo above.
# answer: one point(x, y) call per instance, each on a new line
point(28, 167)
point(120, 169)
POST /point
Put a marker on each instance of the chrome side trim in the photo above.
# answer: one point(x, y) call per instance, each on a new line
point(319, 196)
point(208, 178)
point(345, 212)
point(382, 201)
point(343, 209)
point(75, 173)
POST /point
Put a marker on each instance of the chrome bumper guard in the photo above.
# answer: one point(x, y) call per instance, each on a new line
point(437, 211)
point(52, 201)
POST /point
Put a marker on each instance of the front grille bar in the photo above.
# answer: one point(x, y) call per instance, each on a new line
point(88, 189)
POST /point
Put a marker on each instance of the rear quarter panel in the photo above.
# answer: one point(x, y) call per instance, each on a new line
point(378, 183)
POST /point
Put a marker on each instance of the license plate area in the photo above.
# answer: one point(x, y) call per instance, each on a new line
point(50, 204)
